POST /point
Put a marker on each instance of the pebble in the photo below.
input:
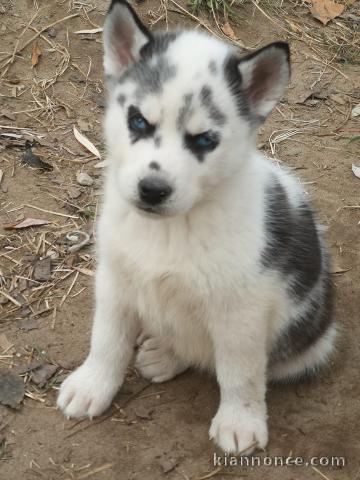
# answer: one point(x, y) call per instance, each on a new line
point(84, 178)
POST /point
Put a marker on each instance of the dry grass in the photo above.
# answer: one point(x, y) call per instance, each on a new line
point(43, 114)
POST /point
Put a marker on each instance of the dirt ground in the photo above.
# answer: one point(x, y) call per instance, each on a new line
point(159, 431)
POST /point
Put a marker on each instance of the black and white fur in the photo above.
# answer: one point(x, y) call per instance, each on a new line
point(208, 257)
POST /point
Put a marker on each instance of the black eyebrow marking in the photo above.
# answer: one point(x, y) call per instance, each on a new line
point(206, 99)
point(184, 110)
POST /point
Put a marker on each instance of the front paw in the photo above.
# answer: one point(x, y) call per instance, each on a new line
point(238, 430)
point(87, 392)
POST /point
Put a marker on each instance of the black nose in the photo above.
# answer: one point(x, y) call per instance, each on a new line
point(153, 190)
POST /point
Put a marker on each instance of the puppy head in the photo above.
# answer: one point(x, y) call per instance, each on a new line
point(183, 110)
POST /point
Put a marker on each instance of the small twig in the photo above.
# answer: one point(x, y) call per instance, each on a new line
point(108, 415)
point(69, 290)
point(53, 319)
point(215, 472)
point(318, 471)
point(49, 211)
point(10, 298)
point(325, 62)
point(200, 22)
point(18, 50)
point(6, 423)
point(106, 466)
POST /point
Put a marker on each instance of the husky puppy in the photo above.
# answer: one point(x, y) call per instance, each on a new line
point(209, 255)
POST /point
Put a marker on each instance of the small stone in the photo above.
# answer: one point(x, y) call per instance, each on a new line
point(42, 374)
point(52, 32)
point(42, 270)
point(12, 389)
point(168, 464)
point(53, 254)
point(84, 178)
point(144, 413)
point(3, 300)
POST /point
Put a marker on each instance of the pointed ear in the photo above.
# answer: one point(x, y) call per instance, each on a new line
point(264, 76)
point(124, 37)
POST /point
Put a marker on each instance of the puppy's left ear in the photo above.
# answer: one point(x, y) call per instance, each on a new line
point(264, 76)
point(124, 37)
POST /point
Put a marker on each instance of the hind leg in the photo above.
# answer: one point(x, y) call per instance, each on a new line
point(156, 360)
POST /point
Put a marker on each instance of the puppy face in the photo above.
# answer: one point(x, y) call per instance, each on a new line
point(183, 111)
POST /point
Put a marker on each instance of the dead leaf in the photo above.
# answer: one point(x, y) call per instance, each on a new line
point(85, 271)
point(340, 271)
point(325, 10)
point(356, 170)
point(42, 270)
point(26, 223)
point(12, 389)
point(42, 374)
point(102, 164)
point(309, 96)
point(355, 112)
point(85, 142)
point(228, 31)
point(28, 324)
point(29, 158)
point(94, 30)
point(11, 135)
point(35, 54)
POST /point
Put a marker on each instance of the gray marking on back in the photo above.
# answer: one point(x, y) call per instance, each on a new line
point(184, 110)
point(308, 326)
point(296, 251)
point(206, 99)
point(293, 245)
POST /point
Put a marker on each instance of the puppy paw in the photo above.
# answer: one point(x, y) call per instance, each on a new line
point(239, 430)
point(156, 361)
point(87, 392)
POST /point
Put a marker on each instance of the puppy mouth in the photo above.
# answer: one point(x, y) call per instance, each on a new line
point(150, 210)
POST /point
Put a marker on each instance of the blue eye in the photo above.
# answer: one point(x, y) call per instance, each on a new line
point(202, 143)
point(138, 123)
point(138, 126)
point(205, 141)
